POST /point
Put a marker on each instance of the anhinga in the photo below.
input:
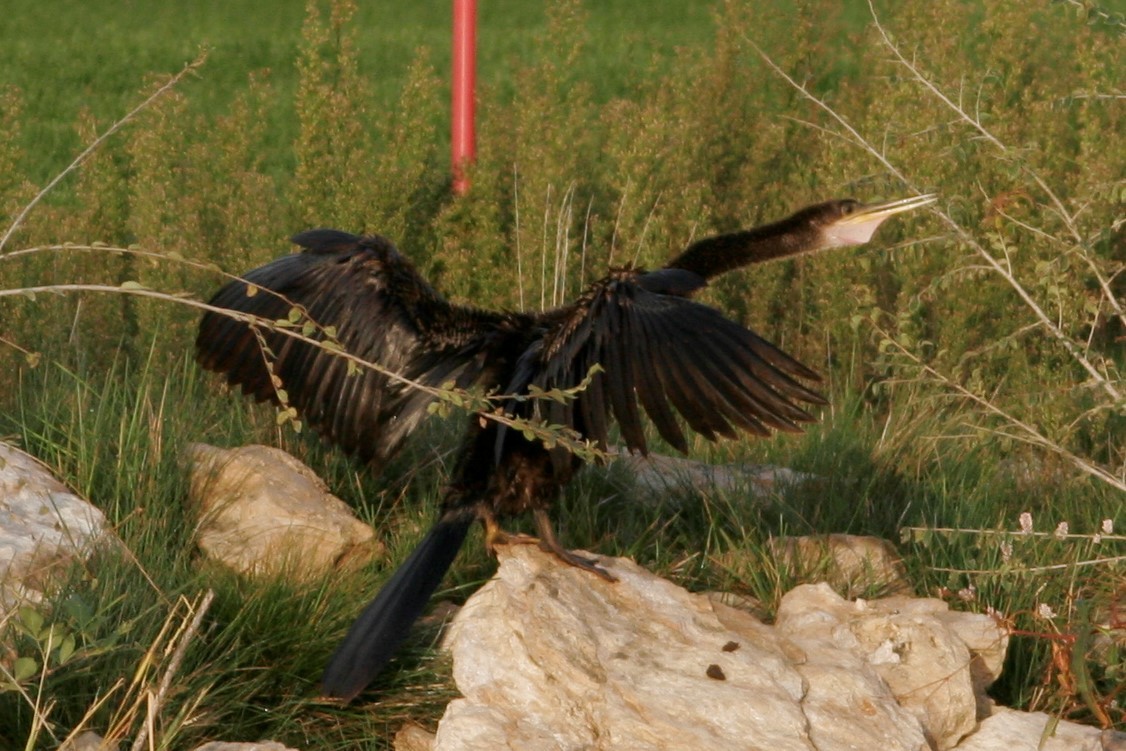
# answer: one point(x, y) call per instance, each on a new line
point(655, 345)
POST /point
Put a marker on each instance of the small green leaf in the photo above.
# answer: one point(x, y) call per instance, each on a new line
point(132, 285)
point(31, 620)
point(66, 649)
point(24, 668)
point(77, 609)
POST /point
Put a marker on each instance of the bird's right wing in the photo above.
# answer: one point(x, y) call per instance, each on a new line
point(360, 293)
point(665, 354)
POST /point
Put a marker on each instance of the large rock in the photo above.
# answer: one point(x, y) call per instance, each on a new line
point(263, 512)
point(43, 527)
point(550, 657)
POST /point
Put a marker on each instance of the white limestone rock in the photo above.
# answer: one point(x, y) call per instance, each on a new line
point(413, 738)
point(1010, 730)
point(550, 657)
point(43, 527)
point(261, 511)
point(914, 646)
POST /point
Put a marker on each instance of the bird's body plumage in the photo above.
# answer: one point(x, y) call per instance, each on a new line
point(659, 353)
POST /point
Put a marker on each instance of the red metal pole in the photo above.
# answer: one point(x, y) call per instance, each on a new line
point(463, 139)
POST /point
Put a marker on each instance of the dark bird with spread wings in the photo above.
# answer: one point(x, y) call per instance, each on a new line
point(660, 354)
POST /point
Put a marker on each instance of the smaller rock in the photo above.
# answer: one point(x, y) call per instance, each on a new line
point(89, 741)
point(853, 565)
point(1112, 740)
point(43, 527)
point(1108, 642)
point(1010, 730)
point(749, 605)
point(259, 746)
point(441, 612)
point(264, 512)
point(413, 738)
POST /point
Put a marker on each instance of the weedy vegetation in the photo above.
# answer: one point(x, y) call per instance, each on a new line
point(974, 356)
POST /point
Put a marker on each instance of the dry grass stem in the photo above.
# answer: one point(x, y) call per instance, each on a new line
point(155, 701)
point(97, 142)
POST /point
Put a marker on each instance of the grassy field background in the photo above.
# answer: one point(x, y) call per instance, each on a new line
point(67, 57)
point(974, 356)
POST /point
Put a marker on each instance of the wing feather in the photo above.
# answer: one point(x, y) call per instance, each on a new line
point(622, 361)
point(673, 355)
point(383, 312)
point(650, 361)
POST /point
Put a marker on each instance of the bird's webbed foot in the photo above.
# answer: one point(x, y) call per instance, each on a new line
point(550, 543)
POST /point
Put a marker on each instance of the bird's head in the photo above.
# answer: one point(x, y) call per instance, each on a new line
point(847, 222)
point(833, 224)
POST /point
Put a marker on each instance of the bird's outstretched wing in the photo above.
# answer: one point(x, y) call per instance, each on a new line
point(362, 294)
point(665, 354)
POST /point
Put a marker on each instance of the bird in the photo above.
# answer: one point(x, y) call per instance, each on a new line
point(634, 344)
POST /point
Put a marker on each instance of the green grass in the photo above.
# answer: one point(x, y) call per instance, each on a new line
point(265, 641)
point(70, 56)
point(618, 131)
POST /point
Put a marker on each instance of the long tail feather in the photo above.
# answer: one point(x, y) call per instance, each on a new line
point(379, 630)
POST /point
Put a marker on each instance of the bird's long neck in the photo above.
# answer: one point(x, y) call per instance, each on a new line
point(713, 256)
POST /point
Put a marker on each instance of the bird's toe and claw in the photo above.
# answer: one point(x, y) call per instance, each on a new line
point(550, 543)
point(495, 536)
point(547, 541)
point(578, 561)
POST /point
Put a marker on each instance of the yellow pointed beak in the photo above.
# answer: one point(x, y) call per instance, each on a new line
point(857, 227)
point(877, 212)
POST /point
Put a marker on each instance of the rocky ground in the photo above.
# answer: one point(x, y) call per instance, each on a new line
point(548, 657)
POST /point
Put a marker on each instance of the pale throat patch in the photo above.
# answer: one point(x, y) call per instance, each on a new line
point(852, 233)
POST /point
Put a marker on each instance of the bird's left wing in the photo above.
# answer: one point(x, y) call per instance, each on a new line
point(358, 293)
point(663, 354)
